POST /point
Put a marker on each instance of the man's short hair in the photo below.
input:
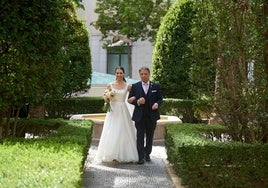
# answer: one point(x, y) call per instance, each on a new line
point(144, 68)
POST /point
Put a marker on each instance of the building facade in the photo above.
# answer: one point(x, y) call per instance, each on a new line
point(105, 60)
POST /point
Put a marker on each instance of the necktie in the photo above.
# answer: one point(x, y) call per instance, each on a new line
point(145, 88)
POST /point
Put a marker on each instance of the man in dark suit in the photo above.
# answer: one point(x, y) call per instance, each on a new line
point(146, 97)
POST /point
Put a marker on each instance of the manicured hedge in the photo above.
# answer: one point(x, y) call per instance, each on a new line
point(64, 108)
point(183, 108)
point(55, 160)
point(202, 162)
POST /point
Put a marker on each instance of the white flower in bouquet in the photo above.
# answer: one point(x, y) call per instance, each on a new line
point(108, 96)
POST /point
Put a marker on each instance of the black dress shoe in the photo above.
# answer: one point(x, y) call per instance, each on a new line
point(141, 161)
point(147, 158)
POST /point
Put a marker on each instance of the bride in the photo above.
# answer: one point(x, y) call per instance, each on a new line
point(118, 138)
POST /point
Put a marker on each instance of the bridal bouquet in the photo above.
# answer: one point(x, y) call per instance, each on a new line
point(108, 96)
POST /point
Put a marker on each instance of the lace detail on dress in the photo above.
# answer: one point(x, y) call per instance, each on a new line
point(120, 94)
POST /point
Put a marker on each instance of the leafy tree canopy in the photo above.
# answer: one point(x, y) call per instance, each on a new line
point(35, 41)
point(77, 68)
point(134, 19)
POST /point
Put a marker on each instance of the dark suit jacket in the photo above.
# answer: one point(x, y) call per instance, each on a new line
point(154, 95)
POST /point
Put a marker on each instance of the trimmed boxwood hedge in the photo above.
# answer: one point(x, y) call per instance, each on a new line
point(202, 162)
point(64, 108)
point(54, 160)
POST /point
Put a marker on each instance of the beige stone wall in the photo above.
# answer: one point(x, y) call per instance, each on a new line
point(96, 91)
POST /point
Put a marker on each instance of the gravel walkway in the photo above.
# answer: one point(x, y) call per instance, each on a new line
point(153, 174)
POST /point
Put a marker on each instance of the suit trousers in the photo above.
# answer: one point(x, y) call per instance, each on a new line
point(145, 127)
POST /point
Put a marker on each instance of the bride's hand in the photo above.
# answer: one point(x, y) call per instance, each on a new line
point(131, 99)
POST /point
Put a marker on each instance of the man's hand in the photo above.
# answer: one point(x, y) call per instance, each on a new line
point(131, 99)
point(155, 106)
point(141, 101)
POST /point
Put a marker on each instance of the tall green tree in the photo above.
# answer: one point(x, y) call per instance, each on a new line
point(77, 69)
point(234, 44)
point(204, 46)
point(172, 57)
point(265, 58)
point(32, 56)
point(133, 19)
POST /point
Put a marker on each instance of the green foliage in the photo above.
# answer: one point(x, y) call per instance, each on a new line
point(53, 161)
point(135, 19)
point(129, 20)
point(228, 46)
point(204, 47)
point(35, 126)
point(63, 108)
point(30, 59)
point(181, 108)
point(172, 57)
point(33, 34)
point(203, 106)
point(76, 70)
point(44, 53)
point(202, 162)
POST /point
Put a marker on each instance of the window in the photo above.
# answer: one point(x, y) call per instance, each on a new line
point(117, 56)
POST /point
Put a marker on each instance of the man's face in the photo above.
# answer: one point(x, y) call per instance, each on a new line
point(144, 75)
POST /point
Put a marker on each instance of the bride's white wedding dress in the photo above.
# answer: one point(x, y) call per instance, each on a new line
point(118, 138)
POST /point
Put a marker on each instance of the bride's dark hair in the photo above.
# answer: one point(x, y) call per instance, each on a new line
point(122, 69)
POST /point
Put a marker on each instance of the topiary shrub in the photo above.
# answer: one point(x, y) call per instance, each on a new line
point(171, 56)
